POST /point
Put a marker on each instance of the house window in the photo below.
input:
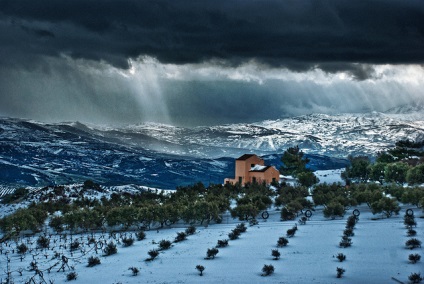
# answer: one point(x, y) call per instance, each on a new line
point(252, 165)
point(273, 180)
point(240, 180)
point(254, 179)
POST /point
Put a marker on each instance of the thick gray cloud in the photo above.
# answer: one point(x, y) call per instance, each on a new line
point(295, 34)
point(206, 62)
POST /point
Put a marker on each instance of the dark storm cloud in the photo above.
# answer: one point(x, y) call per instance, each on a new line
point(300, 35)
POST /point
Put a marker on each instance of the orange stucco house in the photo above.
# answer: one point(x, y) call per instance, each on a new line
point(251, 168)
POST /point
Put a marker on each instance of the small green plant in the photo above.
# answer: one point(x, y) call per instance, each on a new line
point(411, 233)
point(75, 245)
point(71, 276)
point(414, 258)
point(234, 234)
point(200, 268)
point(267, 270)
point(282, 242)
point(276, 254)
point(348, 232)
point(241, 227)
point(110, 249)
point(134, 270)
point(93, 261)
point(340, 272)
point(291, 232)
point(211, 253)
point(415, 278)
point(345, 242)
point(341, 257)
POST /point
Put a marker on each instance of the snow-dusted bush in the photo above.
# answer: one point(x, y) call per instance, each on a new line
point(348, 232)
point(22, 248)
point(134, 270)
point(411, 233)
point(413, 243)
point(276, 254)
point(267, 270)
point(164, 244)
point(292, 231)
point(345, 242)
point(222, 243)
point(341, 257)
point(234, 234)
point(282, 242)
point(340, 272)
point(200, 268)
point(351, 222)
point(127, 241)
point(241, 227)
point(409, 221)
point(43, 242)
point(71, 276)
point(75, 245)
point(415, 278)
point(211, 253)
point(93, 261)
point(153, 254)
point(181, 236)
point(190, 230)
point(141, 235)
point(110, 249)
point(414, 258)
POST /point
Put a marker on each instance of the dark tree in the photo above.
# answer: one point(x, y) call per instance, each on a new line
point(267, 270)
point(341, 257)
point(93, 261)
point(340, 272)
point(164, 244)
point(276, 254)
point(134, 270)
point(413, 243)
point(415, 278)
point(282, 242)
point(200, 268)
point(153, 254)
point(222, 243)
point(110, 249)
point(414, 258)
point(211, 253)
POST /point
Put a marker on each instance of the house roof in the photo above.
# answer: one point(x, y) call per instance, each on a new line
point(245, 157)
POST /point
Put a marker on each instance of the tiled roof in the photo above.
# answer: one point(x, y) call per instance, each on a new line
point(260, 169)
point(245, 157)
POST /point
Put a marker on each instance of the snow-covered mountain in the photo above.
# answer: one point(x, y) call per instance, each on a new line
point(33, 153)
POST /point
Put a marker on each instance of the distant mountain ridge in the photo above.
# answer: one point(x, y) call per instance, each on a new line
point(164, 156)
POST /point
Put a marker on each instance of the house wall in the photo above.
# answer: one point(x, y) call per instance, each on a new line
point(243, 167)
point(267, 176)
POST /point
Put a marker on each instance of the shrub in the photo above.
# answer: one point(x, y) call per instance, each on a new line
point(43, 242)
point(75, 245)
point(415, 278)
point(348, 232)
point(93, 261)
point(211, 253)
point(110, 249)
point(181, 236)
point(140, 235)
point(164, 244)
point(411, 233)
point(234, 234)
point(276, 254)
point(282, 242)
point(351, 222)
point(241, 227)
point(134, 270)
point(200, 268)
point(414, 258)
point(409, 221)
point(190, 230)
point(127, 241)
point(71, 276)
point(153, 254)
point(22, 248)
point(222, 243)
point(291, 232)
point(413, 243)
point(341, 257)
point(267, 270)
point(345, 242)
point(340, 272)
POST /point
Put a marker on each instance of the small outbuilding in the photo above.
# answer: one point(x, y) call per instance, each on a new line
point(251, 168)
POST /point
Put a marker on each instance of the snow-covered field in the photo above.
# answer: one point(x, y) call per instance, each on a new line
point(377, 254)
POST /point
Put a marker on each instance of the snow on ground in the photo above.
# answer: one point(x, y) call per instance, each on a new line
point(329, 176)
point(377, 254)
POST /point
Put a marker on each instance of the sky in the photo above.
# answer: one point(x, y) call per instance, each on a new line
point(206, 62)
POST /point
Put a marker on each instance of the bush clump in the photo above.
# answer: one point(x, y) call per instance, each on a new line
point(75, 245)
point(153, 254)
point(71, 276)
point(22, 248)
point(134, 270)
point(93, 261)
point(181, 236)
point(276, 254)
point(110, 249)
point(164, 244)
point(415, 278)
point(43, 242)
point(200, 268)
point(413, 243)
point(222, 243)
point(127, 241)
point(341, 257)
point(414, 258)
point(267, 270)
point(340, 272)
point(282, 242)
point(211, 253)
point(190, 230)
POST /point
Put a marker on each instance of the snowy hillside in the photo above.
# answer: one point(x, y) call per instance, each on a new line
point(164, 156)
